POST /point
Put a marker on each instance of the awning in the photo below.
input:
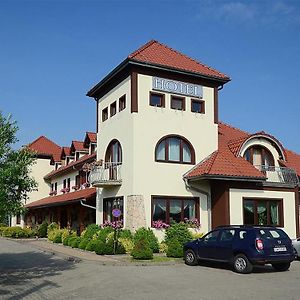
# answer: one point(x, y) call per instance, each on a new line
point(63, 198)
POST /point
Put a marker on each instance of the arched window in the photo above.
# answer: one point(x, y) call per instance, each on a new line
point(113, 152)
point(174, 149)
point(259, 156)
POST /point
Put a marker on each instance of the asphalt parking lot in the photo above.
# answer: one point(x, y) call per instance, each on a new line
point(29, 273)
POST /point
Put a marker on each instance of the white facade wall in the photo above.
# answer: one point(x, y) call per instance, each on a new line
point(236, 206)
point(60, 180)
point(138, 134)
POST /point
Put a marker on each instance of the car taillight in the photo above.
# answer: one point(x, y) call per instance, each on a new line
point(259, 244)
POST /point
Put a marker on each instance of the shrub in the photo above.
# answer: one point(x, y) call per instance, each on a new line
point(52, 226)
point(163, 247)
point(71, 239)
point(102, 234)
point(174, 249)
point(66, 232)
point(89, 232)
point(197, 235)
point(178, 231)
point(42, 230)
point(125, 234)
point(142, 249)
point(127, 244)
point(53, 233)
point(83, 243)
point(3, 225)
point(16, 232)
point(99, 247)
point(144, 233)
point(66, 240)
point(57, 238)
point(74, 242)
point(91, 245)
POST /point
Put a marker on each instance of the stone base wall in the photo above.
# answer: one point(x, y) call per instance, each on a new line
point(135, 212)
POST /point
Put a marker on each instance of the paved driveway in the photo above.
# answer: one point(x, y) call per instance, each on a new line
point(28, 273)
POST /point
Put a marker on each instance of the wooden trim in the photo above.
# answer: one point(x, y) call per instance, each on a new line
point(267, 200)
point(202, 102)
point(134, 92)
point(162, 97)
point(216, 105)
point(182, 99)
point(181, 138)
point(181, 198)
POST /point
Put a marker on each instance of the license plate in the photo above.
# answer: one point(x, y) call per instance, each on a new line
point(279, 249)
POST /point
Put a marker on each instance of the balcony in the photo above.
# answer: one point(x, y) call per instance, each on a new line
point(106, 175)
point(281, 175)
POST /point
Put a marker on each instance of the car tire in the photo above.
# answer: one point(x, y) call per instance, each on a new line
point(241, 264)
point(190, 258)
point(281, 267)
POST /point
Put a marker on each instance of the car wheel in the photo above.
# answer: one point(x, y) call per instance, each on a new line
point(241, 264)
point(190, 258)
point(281, 267)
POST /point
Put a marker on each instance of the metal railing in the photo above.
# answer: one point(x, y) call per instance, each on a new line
point(280, 174)
point(109, 173)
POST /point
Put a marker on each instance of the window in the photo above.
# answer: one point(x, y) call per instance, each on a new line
point(108, 205)
point(174, 209)
point(113, 108)
point(198, 106)
point(260, 157)
point(177, 103)
point(55, 186)
point(157, 99)
point(64, 183)
point(122, 103)
point(18, 219)
point(211, 237)
point(227, 235)
point(69, 183)
point(174, 149)
point(263, 212)
point(113, 158)
point(104, 114)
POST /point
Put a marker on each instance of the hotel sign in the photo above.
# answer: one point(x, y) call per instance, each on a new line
point(177, 87)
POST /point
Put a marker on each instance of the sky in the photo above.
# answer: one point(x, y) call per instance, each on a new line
point(53, 52)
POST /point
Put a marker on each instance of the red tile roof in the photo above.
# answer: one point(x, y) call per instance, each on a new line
point(65, 151)
point(226, 162)
point(63, 198)
point(78, 163)
point(156, 53)
point(78, 146)
point(45, 147)
point(90, 137)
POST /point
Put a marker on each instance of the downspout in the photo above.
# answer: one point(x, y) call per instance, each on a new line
point(86, 205)
point(190, 187)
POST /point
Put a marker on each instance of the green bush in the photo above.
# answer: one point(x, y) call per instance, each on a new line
point(99, 247)
point(66, 232)
point(142, 249)
point(91, 245)
point(57, 238)
point(75, 241)
point(144, 233)
point(90, 231)
point(17, 232)
point(66, 241)
point(125, 234)
point(179, 232)
point(71, 239)
point(127, 244)
point(83, 243)
point(42, 230)
point(163, 247)
point(53, 233)
point(3, 225)
point(174, 249)
point(52, 226)
point(102, 234)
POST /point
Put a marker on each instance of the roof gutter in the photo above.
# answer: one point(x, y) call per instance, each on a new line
point(86, 205)
point(208, 196)
point(229, 178)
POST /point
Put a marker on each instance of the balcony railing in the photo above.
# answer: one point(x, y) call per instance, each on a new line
point(109, 174)
point(280, 175)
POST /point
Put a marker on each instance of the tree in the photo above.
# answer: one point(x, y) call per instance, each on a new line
point(15, 179)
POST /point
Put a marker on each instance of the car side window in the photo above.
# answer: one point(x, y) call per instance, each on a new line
point(211, 237)
point(242, 234)
point(227, 235)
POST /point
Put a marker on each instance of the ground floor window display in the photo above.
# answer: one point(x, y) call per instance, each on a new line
point(263, 212)
point(174, 209)
point(109, 204)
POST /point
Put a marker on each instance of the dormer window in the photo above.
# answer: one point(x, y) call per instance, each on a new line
point(259, 156)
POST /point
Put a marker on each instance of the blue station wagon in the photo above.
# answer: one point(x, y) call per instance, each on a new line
point(242, 246)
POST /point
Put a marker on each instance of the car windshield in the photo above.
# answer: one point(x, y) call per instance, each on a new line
point(272, 234)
